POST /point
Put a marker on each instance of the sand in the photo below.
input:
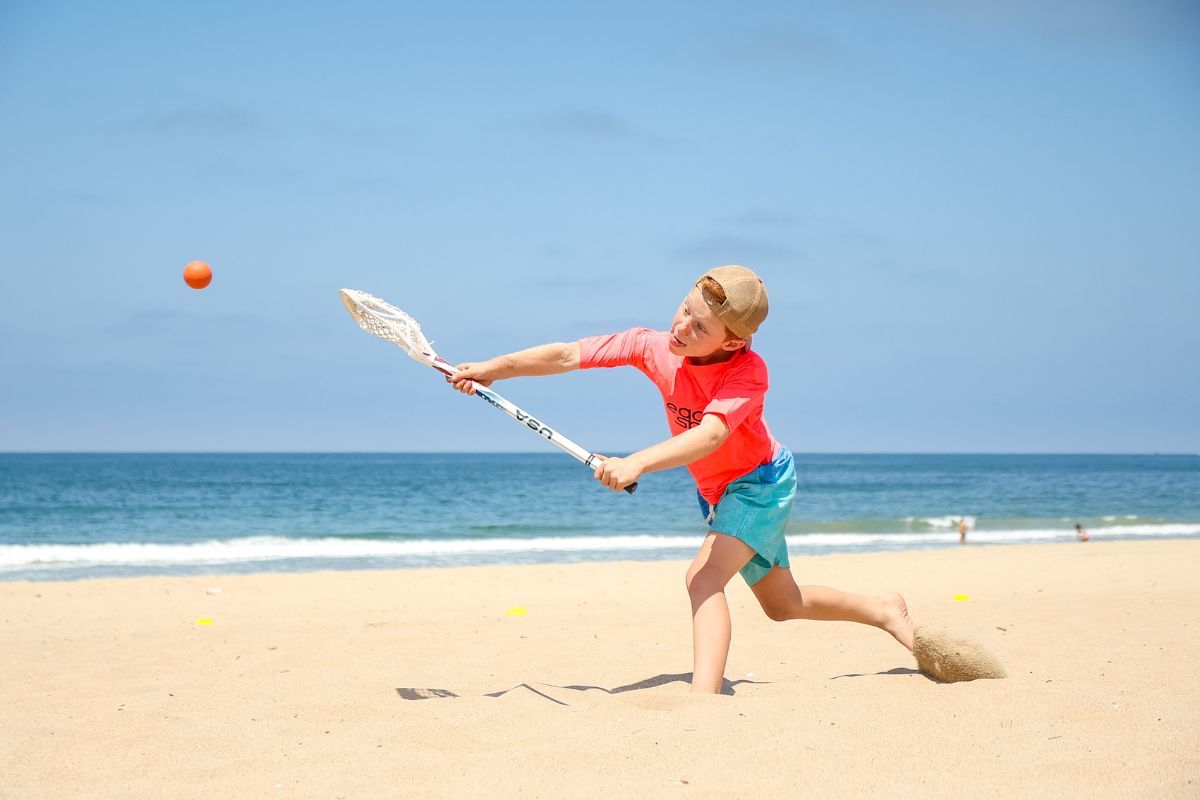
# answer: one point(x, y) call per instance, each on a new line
point(417, 683)
point(949, 657)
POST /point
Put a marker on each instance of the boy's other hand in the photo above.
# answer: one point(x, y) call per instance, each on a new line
point(617, 473)
point(470, 373)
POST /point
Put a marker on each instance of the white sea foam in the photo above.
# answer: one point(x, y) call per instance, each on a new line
point(1177, 529)
point(273, 548)
point(947, 522)
point(269, 548)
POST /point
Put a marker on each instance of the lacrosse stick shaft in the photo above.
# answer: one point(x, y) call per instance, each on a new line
point(380, 318)
point(584, 456)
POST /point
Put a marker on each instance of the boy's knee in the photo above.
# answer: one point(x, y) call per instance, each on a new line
point(703, 583)
point(775, 613)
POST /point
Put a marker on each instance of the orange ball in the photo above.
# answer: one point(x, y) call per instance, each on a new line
point(197, 274)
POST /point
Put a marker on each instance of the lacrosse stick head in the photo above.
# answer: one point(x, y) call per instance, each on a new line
point(381, 318)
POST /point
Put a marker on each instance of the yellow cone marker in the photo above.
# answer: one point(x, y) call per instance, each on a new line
point(516, 611)
point(961, 597)
point(204, 621)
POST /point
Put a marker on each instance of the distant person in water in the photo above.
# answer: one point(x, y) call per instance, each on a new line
point(962, 531)
point(1081, 533)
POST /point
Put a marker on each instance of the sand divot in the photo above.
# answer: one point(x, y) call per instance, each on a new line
point(949, 659)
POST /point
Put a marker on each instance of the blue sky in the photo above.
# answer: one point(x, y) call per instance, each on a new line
point(976, 221)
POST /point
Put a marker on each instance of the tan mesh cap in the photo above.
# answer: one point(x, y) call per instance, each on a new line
point(745, 305)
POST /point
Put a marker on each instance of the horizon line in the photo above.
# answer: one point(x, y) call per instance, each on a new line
point(554, 454)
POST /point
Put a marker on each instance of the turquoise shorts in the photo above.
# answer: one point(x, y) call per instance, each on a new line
point(755, 508)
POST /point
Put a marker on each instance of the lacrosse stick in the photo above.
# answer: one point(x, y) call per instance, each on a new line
point(384, 320)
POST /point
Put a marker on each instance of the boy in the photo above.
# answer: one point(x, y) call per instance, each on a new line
point(713, 386)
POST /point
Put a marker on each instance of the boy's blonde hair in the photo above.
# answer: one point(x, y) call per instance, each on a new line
point(711, 288)
point(714, 294)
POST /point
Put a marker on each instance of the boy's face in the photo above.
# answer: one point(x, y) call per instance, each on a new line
point(696, 332)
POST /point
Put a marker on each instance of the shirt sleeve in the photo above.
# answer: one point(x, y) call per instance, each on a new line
point(740, 395)
point(627, 349)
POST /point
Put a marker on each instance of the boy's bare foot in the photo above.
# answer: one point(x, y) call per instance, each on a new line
point(897, 622)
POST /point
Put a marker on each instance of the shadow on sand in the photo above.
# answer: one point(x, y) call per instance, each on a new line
point(894, 671)
point(727, 688)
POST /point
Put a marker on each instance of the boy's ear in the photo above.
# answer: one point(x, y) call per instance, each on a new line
point(733, 344)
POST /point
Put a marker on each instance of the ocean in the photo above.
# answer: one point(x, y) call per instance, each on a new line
point(71, 516)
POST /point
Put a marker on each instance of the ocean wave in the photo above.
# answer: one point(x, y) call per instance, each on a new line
point(252, 549)
point(945, 522)
point(274, 548)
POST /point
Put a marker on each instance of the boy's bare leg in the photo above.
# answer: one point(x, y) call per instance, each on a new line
point(719, 559)
point(782, 599)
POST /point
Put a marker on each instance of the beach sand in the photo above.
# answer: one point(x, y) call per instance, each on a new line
point(308, 685)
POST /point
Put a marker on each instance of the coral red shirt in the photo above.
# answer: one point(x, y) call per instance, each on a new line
point(734, 389)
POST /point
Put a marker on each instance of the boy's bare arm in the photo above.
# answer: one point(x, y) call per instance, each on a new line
point(545, 359)
point(689, 446)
